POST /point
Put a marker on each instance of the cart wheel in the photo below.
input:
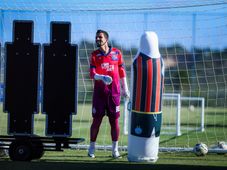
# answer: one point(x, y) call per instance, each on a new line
point(20, 151)
point(37, 149)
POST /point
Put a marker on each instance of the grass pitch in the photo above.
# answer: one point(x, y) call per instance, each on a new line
point(77, 159)
point(215, 130)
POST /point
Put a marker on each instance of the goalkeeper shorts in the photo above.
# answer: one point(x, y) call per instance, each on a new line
point(106, 105)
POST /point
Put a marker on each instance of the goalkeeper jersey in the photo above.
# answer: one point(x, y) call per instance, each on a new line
point(111, 64)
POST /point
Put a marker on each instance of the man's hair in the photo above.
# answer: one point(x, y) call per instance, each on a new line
point(104, 32)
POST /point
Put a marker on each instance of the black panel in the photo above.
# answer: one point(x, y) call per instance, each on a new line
point(21, 78)
point(59, 83)
point(20, 123)
point(60, 33)
point(23, 32)
point(59, 79)
point(58, 125)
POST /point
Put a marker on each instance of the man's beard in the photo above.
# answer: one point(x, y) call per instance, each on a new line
point(99, 43)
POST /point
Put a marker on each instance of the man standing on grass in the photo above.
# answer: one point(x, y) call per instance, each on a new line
point(107, 69)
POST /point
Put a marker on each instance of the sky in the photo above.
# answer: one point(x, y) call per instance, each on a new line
point(188, 23)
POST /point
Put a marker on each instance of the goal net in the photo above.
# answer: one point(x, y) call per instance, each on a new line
point(193, 42)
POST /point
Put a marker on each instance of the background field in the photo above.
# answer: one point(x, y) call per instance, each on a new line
point(77, 158)
point(214, 128)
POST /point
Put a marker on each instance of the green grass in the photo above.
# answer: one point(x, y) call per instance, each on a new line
point(164, 158)
point(215, 127)
point(77, 159)
point(215, 130)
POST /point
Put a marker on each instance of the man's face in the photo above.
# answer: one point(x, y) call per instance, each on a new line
point(100, 39)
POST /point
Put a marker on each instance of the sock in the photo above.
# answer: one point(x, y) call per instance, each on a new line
point(92, 145)
point(115, 146)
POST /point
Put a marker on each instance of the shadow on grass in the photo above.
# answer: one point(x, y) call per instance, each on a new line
point(174, 137)
point(6, 164)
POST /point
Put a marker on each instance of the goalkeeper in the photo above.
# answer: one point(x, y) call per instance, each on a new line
point(107, 69)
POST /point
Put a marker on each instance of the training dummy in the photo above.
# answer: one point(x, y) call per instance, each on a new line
point(147, 78)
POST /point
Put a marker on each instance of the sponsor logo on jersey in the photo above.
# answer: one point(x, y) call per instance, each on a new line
point(107, 67)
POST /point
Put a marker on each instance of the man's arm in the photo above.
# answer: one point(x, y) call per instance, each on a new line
point(122, 73)
point(124, 86)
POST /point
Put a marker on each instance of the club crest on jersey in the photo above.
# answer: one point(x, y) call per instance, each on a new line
point(114, 57)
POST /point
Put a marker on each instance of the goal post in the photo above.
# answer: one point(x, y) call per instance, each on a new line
point(202, 111)
point(172, 104)
point(184, 109)
point(177, 98)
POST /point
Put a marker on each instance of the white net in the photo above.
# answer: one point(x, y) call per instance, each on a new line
point(192, 37)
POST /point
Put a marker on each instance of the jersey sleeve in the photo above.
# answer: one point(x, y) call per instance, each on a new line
point(92, 66)
point(121, 66)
